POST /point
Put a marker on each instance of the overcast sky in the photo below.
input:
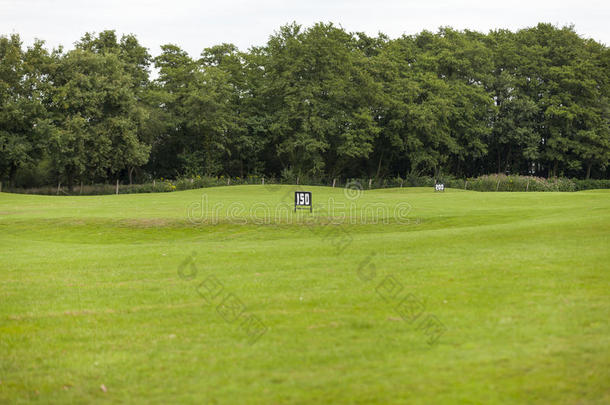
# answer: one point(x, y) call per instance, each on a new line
point(194, 25)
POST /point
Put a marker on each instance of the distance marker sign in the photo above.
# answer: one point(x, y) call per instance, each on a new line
point(302, 199)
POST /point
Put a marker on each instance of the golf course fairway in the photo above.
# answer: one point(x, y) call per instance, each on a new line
point(227, 295)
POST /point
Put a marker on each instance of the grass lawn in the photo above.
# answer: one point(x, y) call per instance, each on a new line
point(406, 296)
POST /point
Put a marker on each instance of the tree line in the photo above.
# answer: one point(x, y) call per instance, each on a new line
point(316, 102)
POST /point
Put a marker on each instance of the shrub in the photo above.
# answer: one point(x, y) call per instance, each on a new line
point(591, 184)
point(502, 182)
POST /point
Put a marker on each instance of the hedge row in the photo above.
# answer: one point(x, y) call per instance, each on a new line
point(493, 182)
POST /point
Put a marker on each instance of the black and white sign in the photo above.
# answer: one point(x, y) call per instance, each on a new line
point(302, 199)
point(439, 187)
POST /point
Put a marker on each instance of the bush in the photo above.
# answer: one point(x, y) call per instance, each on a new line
point(591, 184)
point(34, 175)
point(502, 182)
point(418, 181)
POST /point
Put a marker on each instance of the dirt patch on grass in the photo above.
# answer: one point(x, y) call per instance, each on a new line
point(329, 325)
point(103, 311)
point(149, 222)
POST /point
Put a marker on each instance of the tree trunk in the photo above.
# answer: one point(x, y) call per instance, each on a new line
point(81, 187)
point(131, 169)
point(508, 158)
point(11, 176)
point(586, 177)
point(117, 187)
point(379, 166)
point(58, 187)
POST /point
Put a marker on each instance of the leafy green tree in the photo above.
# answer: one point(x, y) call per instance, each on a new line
point(167, 95)
point(200, 102)
point(22, 85)
point(438, 110)
point(244, 142)
point(135, 60)
point(135, 57)
point(320, 100)
point(515, 138)
point(94, 134)
point(590, 91)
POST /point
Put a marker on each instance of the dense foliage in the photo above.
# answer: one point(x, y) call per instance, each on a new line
point(314, 102)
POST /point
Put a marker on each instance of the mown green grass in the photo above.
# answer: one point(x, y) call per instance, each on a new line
point(90, 294)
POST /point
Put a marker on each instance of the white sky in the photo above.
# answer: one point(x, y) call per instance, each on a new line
point(194, 25)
